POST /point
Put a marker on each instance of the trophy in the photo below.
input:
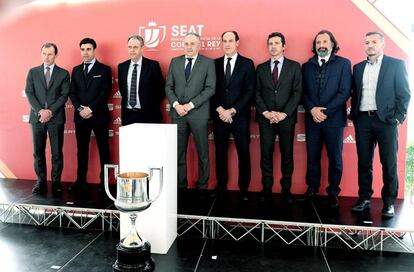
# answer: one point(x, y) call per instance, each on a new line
point(133, 252)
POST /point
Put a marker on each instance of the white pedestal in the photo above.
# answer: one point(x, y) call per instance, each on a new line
point(152, 145)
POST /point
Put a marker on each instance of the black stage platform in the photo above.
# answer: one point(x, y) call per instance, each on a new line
point(224, 217)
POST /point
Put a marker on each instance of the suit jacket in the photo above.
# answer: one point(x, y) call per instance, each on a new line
point(392, 94)
point(150, 89)
point(53, 97)
point(283, 96)
point(93, 91)
point(239, 91)
point(335, 91)
point(198, 89)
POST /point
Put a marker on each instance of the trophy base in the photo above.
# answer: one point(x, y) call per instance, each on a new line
point(134, 259)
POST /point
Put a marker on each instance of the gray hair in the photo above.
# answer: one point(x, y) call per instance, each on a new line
point(136, 37)
point(193, 34)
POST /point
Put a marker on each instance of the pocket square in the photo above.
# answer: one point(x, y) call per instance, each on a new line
point(97, 76)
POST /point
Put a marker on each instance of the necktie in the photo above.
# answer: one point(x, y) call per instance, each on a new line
point(86, 69)
point(228, 70)
point(133, 89)
point(275, 72)
point(188, 68)
point(47, 76)
point(323, 61)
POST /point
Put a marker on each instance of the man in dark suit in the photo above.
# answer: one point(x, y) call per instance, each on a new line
point(47, 89)
point(89, 91)
point(141, 85)
point(378, 107)
point(278, 92)
point(327, 86)
point(235, 81)
point(190, 84)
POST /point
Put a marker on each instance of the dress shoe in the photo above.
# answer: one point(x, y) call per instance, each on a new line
point(361, 205)
point(287, 197)
point(77, 186)
point(56, 188)
point(265, 194)
point(243, 195)
point(333, 201)
point(39, 189)
point(308, 195)
point(388, 211)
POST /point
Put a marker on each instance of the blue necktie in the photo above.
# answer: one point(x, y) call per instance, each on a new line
point(188, 68)
point(133, 89)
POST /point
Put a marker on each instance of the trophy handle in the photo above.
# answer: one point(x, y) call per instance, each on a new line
point(161, 181)
point(106, 180)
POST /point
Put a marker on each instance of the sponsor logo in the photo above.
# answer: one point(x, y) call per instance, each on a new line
point(349, 140)
point(117, 94)
point(348, 110)
point(117, 121)
point(301, 108)
point(111, 107)
point(152, 34)
point(69, 106)
point(211, 136)
point(167, 107)
point(25, 118)
point(69, 131)
point(301, 137)
point(24, 93)
point(111, 133)
point(254, 136)
point(118, 107)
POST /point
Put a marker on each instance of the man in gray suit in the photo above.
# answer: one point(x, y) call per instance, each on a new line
point(190, 83)
point(47, 89)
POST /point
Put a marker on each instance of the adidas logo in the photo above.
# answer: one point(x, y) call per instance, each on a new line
point(349, 140)
point(117, 94)
point(211, 136)
point(117, 121)
point(301, 137)
point(301, 108)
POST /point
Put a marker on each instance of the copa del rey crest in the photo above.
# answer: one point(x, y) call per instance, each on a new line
point(153, 35)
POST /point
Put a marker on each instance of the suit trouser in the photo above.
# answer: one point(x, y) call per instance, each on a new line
point(39, 134)
point(198, 128)
point(370, 131)
point(268, 132)
point(316, 136)
point(83, 135)
point(239, 128)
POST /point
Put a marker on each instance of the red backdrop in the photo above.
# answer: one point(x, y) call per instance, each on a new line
point(163, 24)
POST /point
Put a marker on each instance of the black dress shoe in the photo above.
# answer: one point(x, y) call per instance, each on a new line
point(77, 186)
point(39, 189)
point(388, 211)
point(265, 194)
point(287, 197)
point(56, 189)
point(308, 195)
point(243, 195)
point(333, 201)
point(361, 205)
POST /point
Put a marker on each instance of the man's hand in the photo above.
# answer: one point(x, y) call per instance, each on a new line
point(45, 115)
point(280, 116)
point(86, 113)
point(181, 110)
point(318, 114)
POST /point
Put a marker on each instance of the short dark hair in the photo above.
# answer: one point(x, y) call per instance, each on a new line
point(335, 47)
point(375, 33)
point(88, 40)
point(236, 35)
point(276, 34)
point(49, 45)
point(138, 38)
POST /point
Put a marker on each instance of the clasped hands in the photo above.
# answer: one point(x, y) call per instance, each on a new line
point(226, 115)
point(275, 116)
point(183, 110)
point(86, 112)
point(45, 115)
point(318, 114)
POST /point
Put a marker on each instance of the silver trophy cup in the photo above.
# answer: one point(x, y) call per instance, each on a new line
point(132, 196)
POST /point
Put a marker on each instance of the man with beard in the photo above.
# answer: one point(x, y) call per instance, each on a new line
point(327, 86)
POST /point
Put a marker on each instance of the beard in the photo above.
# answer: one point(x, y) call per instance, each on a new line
point(323, 52)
